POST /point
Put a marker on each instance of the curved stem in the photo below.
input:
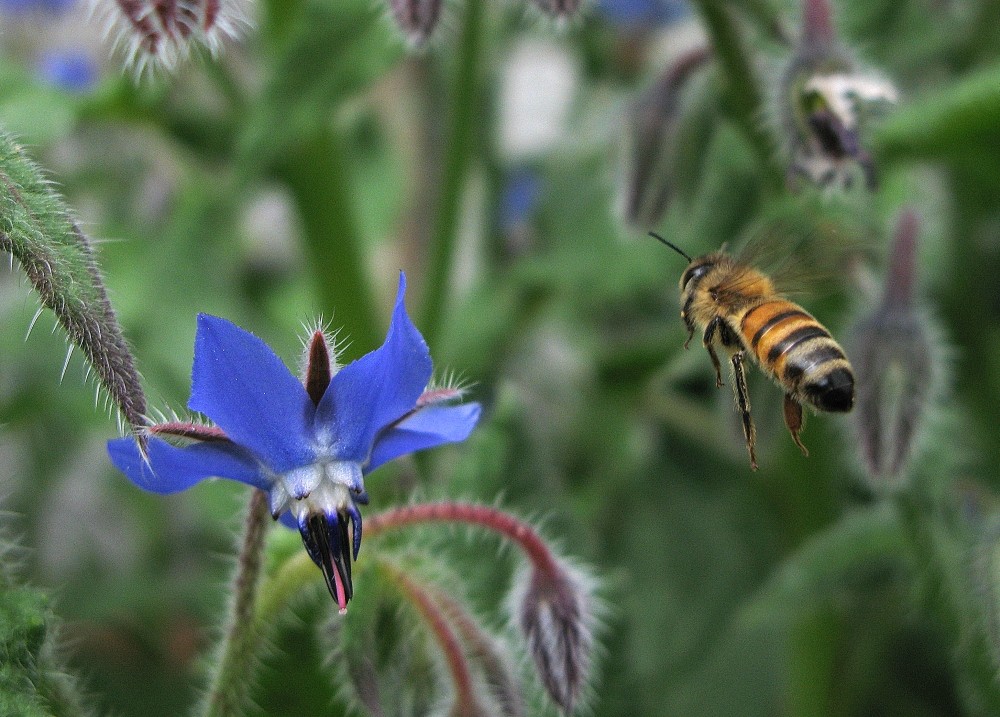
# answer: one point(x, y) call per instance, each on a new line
point(484, 516)
point(464, 104)
point(458, 666)
point(227, 694)
point(298, 570)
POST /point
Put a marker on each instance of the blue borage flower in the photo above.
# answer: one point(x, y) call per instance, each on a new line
point(307, 444)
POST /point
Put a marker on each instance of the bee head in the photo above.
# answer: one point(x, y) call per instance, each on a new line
point(696, 269)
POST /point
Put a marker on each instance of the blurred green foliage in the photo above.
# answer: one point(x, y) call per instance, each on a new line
point(294, 176)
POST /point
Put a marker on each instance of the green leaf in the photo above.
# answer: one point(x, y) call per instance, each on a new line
point(958, 119)
point(36, 228)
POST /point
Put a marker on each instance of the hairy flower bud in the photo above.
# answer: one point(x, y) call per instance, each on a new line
point(893, 363)
point(652, 130)
point(560, 10)
point(556, 617)
point(822, 102)
point(162, 32)
point(416, 18)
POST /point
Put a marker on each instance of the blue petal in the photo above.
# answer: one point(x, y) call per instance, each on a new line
point(288, 520)
point(239, 383)
point(171, 469)
point(377, 389)
point(427, 428)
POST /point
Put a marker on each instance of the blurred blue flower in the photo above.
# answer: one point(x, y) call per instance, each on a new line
point(13, 7)
point(636, 13)
point(68, 69)
point(308, 446)
point(519, 198)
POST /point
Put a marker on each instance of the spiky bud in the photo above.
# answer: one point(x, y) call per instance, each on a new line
point(893, 358)
point(161, 33)
point(560, 10)
point(652, 130)
point(556, 617)
point(416, 18)
point(822, 100)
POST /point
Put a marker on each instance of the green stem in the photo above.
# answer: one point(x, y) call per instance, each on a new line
point(952, 599)
point(742, 86)
point(464, 104)
point(316, 174)
point(231, 682)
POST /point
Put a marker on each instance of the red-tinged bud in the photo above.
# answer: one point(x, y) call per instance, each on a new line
point(894, 363)
point(416, 18)
point(557, 621)
point(560, 10)
point(652, 130)
point(162, 32)
point(823, 101)
point(318, 367)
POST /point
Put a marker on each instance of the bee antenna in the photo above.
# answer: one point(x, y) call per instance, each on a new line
point(672, 246)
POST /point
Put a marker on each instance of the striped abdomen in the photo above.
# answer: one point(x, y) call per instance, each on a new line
point(800, 354)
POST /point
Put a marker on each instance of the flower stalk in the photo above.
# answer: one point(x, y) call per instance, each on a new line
point(464, 104)
point(230, 686)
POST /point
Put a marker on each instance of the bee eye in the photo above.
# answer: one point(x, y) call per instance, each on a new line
point(694, 273)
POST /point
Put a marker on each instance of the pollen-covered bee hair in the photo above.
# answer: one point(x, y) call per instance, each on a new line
point(740, 312)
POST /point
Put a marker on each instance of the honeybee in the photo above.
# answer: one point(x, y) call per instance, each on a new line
point(742, 313)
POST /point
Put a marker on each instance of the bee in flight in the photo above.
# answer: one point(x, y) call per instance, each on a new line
point(742, 313)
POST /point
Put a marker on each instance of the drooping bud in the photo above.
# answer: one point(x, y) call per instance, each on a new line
point(163, 32)
point(37, 230)
point(893, 363)
point(553, 603)
point(556, 620)
point(652, 130)
point(823, 100)
point(560, 10)
point(416, 18)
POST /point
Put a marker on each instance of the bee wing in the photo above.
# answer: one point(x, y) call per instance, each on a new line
point(802, 251)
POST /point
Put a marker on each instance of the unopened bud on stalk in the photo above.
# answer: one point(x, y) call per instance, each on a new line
point(652, 130)
point(893, 363)
point(556, 620)
point(560, 10)
point(416, 18)
point(161, 33)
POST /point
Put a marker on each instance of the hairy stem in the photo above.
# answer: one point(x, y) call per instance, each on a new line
point(458, 666)
point(484, 516)
point(932, 553)
point(231, 682)
point(464, 104)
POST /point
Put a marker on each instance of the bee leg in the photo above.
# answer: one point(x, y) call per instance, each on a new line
point(793, 419)
point(743, 402)
point(708, 340)
point(688, 324)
